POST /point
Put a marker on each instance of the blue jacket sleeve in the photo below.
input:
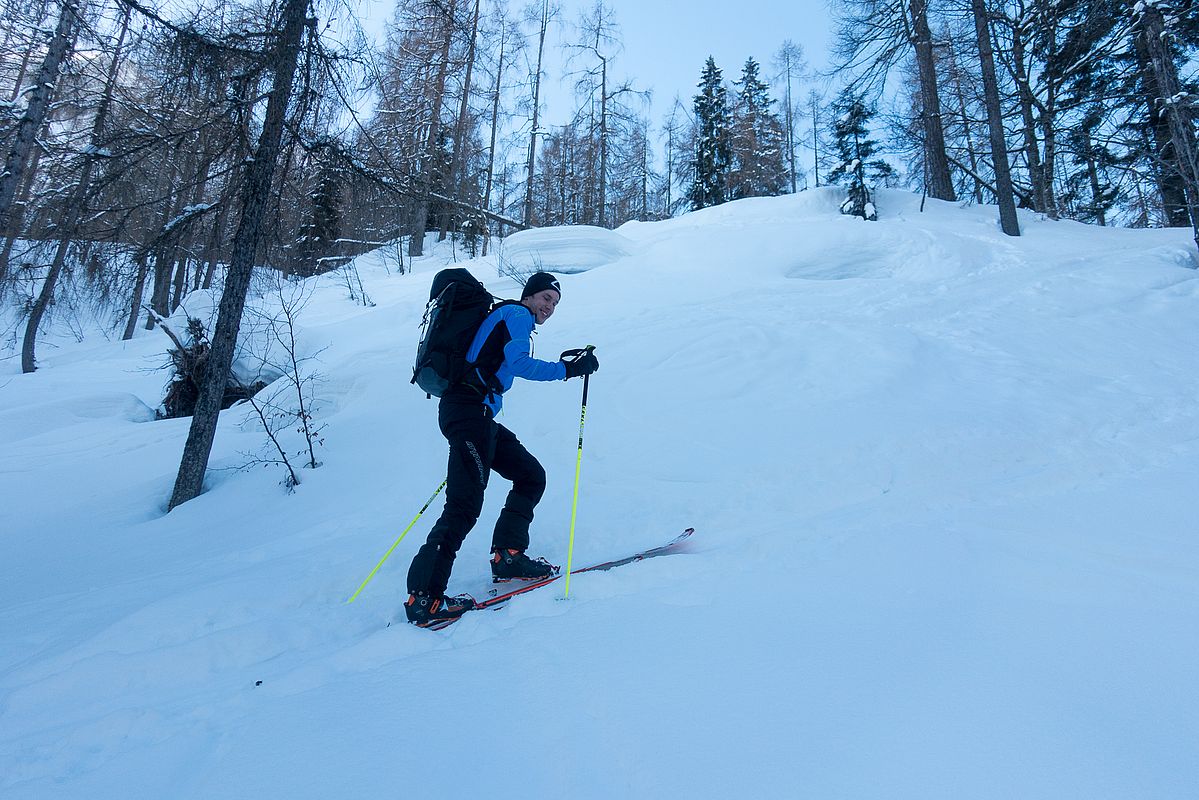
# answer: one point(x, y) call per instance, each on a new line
point(518, 358)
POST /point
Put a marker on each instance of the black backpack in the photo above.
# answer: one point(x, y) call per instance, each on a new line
point(458, 304)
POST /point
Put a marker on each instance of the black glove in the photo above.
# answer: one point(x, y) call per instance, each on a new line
point(583, 364)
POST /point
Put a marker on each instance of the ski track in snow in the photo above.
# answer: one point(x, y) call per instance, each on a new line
point(943, 483)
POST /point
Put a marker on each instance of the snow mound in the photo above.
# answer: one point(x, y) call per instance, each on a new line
point(569, 249)
point(261, 356)
point(31, 420)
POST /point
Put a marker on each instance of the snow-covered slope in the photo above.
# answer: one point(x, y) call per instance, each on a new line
point(944, 487)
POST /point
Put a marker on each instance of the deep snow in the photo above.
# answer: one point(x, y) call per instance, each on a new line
point(944, 487)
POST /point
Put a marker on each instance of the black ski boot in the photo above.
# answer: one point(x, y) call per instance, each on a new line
point(509, 565)
point(424, 610)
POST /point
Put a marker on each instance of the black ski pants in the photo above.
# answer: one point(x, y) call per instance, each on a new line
point(478, 445)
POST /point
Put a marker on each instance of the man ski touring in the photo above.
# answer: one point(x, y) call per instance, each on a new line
point(499, 353)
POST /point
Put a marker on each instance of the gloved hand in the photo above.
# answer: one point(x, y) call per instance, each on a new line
point(583, 363)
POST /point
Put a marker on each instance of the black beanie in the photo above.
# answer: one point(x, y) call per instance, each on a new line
point(539, 282)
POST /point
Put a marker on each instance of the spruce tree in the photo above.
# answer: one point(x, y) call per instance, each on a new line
point(712, 156)
point(319, 234)
point(855, 148)
point(757, 140)
point(1089, 192)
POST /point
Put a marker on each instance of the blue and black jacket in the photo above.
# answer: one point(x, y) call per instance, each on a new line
point(502, 351)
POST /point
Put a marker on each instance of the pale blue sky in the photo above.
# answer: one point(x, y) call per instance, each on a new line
point(665, 48)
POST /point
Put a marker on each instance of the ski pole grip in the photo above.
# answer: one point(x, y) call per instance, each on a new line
point(576, 353)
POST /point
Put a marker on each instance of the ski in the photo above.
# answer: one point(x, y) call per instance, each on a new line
point(498, 598)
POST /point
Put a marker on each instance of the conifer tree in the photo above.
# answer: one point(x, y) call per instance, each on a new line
point(855, 148)
point(319, 234)
point(1156, 31)
point(1089, 192)
point(757, 140)
point(712, 152)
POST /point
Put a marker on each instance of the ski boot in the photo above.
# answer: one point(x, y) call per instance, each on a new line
point(513, 565)
point(424, 610)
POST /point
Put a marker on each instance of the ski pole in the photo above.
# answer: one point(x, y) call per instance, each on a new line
point(397, 541)
point(574, 506)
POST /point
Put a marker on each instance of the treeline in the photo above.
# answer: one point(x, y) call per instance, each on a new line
point(1083, 109)
point(131, 142)
point(461, 115)
point(129, 135)
point(148, 154)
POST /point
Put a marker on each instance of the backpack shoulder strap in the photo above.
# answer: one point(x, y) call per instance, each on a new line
point(491, 350)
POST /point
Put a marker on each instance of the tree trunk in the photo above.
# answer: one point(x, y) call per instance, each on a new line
point(214, 247)
point(35, 113)
point(38, 310)
point(1178, 107)
point(1032, 147)
point(967, 134)
point(999, 160)
point(532, 161)
point(940, 181)
point(183, 245)
point(17, 218)
point(255, 195)
point(814, 107)
point(420, 212)
point(74, 210)
point(1093, 178)
point(180, 283)
point(459, 157)
point(1049, 137)
point(790, 123)
point(160, 295)
point(645, 179)
point(157, 249)
point(495, 125)
point(139, 291)
point(1048, 118)
point(971, 149)
point(1170, 185)
point(602, 201)
point(28, 54)
point(670, 132)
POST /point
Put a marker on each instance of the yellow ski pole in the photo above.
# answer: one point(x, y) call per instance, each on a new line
point(574, 506)
point(397, 541)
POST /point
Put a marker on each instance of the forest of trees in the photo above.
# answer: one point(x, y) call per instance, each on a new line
point(149, 154)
